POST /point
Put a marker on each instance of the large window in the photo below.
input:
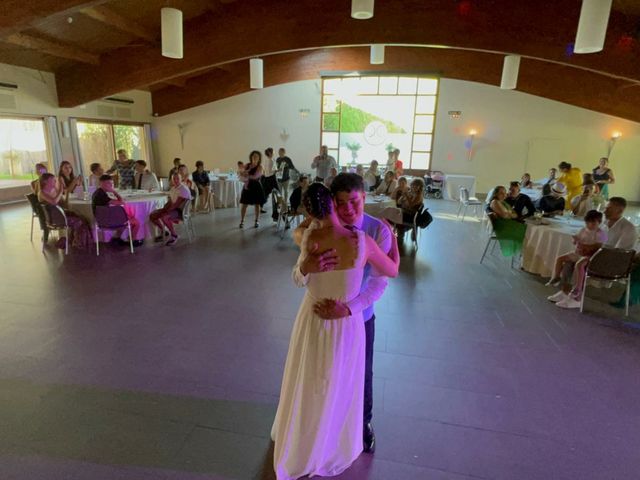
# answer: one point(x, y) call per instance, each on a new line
point(23, 143)
point(99, 142)
point(365, 117)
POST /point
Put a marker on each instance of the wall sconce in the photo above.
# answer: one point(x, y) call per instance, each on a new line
point(612, 142)
point(469, 143)
point(304, 112)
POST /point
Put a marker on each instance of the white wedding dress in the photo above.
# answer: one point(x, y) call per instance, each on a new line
point(318, 425)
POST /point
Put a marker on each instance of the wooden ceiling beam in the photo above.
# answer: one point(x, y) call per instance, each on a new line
point(109, 17)
point(579, 88)
point(499, 26)
point(20, 15)
point(56, 49)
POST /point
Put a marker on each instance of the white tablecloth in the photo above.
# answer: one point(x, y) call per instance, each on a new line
point(374, 205)
point(226, 190)
point(544, 243)
point(453, 182)
point(533, 193)
point(140, 204)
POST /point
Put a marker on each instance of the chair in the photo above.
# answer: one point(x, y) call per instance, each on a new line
point(466, 201)
point(285, 215)
point(37, 211)
point(611, 264)
point(111, 218)
point(56, 220)
point(188, 221)
point(390, 213)
point(493, 239)
point(164, 183)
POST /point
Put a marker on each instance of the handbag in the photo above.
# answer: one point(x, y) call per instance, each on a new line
point(424, 218)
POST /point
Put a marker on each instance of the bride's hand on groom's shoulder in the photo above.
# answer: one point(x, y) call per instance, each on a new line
point(329, 309)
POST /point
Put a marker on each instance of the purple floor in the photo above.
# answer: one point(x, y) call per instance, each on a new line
point(167, 364)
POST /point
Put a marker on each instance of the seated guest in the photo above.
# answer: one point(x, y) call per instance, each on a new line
point(552, 200)
point(584, 203)
point(96, 172)
point(360, 171)
point(183, 171)
point(68, 180)
point(525, 181)
point(621, 233)
point(520, 202)
point(41, 169)
point(410, 202)
point(372, 176)
point(52, 193)
point(401, 189)
point(549, 180)
point(176, 164)
point(125, 169)
point(295, 200)
point(333, 173)
point(201, 179)
point(106, 196)
point(144, 179)
point(171, 213)
point(508, 230)
point(572, 179)
point(388, 185)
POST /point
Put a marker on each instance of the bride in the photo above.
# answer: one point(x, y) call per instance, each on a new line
point(318, 424)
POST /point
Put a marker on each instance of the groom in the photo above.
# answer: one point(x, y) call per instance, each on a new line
point(349, 195)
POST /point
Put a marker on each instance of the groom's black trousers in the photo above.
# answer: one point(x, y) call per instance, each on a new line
point(370, 330)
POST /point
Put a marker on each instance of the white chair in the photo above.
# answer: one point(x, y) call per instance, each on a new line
point(466, 201)
point(187, 221)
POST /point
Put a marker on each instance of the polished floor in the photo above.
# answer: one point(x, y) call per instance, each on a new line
point(167, 364)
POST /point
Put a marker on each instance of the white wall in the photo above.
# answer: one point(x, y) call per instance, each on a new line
point(517, 132)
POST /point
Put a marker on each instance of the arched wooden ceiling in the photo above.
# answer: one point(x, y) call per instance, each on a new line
point(111, 47)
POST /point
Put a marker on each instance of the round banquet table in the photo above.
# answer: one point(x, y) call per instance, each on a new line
point(227, 190)
point(374, 205)
point(543, 243)
point(139, 203)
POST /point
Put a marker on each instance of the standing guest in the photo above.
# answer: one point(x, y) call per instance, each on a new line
point(603, 176)
point(268, 180)
point(397, 163)
point(621, 233)
point(509, 231)
point(525, 181)
point(296, 196)
point(582, 204)
point(96, 172)
point(252, 193)
point(284, 165)
point(52, 192)
point(552, 200)
point(201, 179)
point(323, 164)
point(171, 213)
point(372, 176)
point(176, 164)
point(349, 196)
point(145, 180)
point(410, 202)
point(41, 169)
point(125, 169)
point(520, 202)
point(333, 173)
point(239, 168)
point(401, 189)
point(388, 185)
point(572, 179)
point(105, 196)
point(390, 166)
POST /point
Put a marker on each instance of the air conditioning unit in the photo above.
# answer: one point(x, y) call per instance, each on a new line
point(128, 101)
point(8, 100)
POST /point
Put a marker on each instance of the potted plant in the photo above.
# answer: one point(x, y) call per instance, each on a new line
point(354, 147)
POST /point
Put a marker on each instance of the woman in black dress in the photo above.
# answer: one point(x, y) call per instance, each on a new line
point(252, 193)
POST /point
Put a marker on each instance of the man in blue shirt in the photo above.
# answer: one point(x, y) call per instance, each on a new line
point(348, 191)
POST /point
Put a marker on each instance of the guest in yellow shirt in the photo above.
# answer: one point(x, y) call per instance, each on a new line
point(572, 179)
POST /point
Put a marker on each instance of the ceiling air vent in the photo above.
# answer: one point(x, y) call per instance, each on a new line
point(119, 100)
point(8, 86)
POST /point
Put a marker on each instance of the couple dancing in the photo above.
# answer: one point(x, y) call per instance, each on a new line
point(319, 427)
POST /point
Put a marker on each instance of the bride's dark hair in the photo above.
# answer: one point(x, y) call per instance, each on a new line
point(318, 201)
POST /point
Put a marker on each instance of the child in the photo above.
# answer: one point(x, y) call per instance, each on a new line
point(240, 169)
point(587, 241)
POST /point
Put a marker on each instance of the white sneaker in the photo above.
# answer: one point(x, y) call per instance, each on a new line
point(569, 302)
point(558, 296)
point(553, 282)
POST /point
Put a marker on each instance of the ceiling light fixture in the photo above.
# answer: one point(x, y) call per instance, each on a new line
point(510, 69)
point(256, 73)
point(592, 27)
point(377, 54)
point(171, 30)
point(362, 9)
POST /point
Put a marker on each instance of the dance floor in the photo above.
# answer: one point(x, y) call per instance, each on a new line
point(167, 364)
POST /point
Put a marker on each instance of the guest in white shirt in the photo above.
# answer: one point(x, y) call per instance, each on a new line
point(145, 180)
point(269, 181)
point(96, 172)
point(322, 164)
point(171, 213)
point(371, 176)
point(388, 185)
